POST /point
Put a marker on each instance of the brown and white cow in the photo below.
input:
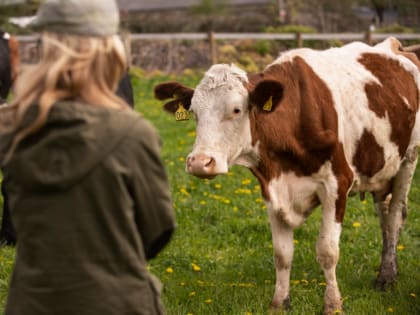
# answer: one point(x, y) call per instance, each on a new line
point(313, 127)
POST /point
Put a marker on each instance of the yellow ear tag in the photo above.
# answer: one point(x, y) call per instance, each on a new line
point(268, 106)
point(181, 113)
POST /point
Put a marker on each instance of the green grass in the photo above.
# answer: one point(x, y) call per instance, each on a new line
point(223, 231)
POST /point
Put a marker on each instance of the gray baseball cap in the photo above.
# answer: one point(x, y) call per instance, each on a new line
point(98, 18)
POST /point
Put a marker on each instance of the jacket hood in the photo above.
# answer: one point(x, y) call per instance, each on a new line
point(75, 138)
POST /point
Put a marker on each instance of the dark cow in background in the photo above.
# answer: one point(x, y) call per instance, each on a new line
point(9, 68)
point(313, 127)
point(9, 63)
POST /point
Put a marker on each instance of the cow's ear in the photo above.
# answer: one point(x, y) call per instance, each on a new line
point(266, 95)
point(179, 94)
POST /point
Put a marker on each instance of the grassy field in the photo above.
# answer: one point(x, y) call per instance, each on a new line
point(220, 258)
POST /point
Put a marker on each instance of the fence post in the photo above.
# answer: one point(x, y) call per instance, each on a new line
point(126, 39)
point(299, 40)
point(368, 37)
point(212, 45)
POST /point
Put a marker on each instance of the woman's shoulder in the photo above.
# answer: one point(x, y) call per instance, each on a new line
point(141, 129)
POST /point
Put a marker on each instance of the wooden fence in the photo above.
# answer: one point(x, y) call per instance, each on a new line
point(212, 38)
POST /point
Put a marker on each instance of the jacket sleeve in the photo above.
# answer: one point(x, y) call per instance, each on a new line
point(154, 214)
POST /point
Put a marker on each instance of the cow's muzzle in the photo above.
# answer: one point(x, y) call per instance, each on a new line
point(202, 166)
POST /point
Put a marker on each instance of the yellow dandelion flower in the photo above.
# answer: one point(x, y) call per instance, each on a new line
point(182, 284)
point(294, 281)
point(191, 134)
point(390, 310)
point(270, 245)
point(304, 281)
point(208, 301)
point(246, 181)
point(243, 191)
point(356, 224)
point(322, 284)
point(202, 202)
point(259, 200)
point(267, 281)
point(235, 209)
point(226, 201)
point(248, 313)
point(181, 159)
point(169, 270)
point(400, 247)
point(413, 295)
point(295, 242)
point(337, 311)
point(184, 191)
point(195, 267)
point(217, 186)
point(230, 173)
point(190, 314)
point(192, 293)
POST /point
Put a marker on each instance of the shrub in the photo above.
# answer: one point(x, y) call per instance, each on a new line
point(291, 28)
point(263, 47)
point(395, 28)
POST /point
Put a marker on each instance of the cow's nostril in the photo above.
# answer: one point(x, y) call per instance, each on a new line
point(210, 163)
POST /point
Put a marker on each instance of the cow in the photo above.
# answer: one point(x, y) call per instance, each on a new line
point(9, 68)
point(314, 127)
point(9, 62)
point(413, 48)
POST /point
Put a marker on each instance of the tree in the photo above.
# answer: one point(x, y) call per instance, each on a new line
point(209, 9)
point(379, 6)
point(327, 15)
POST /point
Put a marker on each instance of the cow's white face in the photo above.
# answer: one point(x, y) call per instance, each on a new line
point(220, 105)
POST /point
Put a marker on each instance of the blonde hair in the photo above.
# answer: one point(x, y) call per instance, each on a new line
point(87, 69)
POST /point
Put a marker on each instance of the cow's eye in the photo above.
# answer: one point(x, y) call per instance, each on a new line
point(236, 110)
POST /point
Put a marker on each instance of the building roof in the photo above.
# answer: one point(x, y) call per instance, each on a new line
point(147, 5)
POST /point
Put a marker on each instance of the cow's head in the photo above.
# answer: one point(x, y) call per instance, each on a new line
point(220, 107)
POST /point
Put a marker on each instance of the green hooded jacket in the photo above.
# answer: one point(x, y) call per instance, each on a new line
point(90, 201)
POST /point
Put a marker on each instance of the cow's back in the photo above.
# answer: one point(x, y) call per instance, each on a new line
point(375, 93)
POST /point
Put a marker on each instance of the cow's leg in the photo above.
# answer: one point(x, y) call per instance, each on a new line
point(7, 231)
point(327, 249)
point(333, 200)
point(282, 235)
point(392, 210)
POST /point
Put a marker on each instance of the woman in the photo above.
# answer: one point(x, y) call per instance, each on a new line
point(88, 193)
